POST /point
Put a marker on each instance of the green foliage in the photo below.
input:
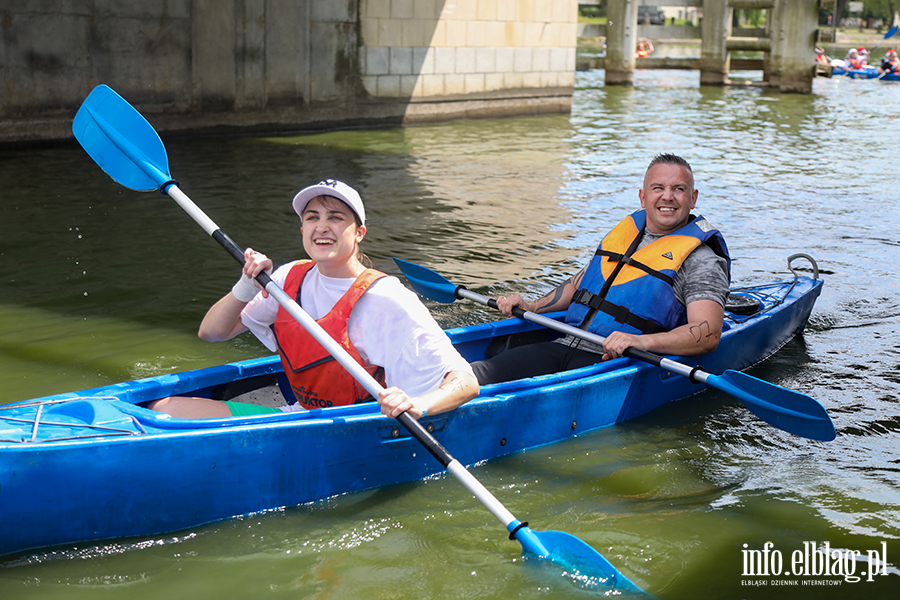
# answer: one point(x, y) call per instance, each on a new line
point(586, 14)
point(878, 9)
point(752, 17)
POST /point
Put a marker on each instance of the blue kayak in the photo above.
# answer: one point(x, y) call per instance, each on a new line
point(95, 464)
point(867, 73)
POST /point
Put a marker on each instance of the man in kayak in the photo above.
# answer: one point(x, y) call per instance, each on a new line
point(889, 63)
point(657, 282)
point(379, 322)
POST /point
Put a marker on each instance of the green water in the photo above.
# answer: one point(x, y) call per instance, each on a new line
point(102, 284)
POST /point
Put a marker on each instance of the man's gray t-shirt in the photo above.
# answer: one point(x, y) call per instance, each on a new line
point(703, 276)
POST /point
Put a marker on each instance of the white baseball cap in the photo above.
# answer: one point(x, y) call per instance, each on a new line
point(335, 189)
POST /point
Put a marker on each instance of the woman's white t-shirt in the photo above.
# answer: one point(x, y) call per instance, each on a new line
point(389, 327)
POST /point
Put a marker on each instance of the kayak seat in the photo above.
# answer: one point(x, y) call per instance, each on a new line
point(238, 387)
point(505, 342)
point(270, 389)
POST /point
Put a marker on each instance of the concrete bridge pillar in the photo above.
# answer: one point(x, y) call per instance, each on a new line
point(621, 31)
point(793, 33)
point(714, 32)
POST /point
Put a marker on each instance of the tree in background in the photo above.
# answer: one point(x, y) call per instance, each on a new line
point(873, 9)
point(750, 17)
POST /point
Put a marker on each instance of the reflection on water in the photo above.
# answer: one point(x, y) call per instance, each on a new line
point(102, 284)
point(449, 185)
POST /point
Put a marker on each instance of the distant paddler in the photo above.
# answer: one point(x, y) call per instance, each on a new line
point(890, 64)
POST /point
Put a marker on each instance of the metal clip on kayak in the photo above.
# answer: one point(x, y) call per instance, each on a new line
point(807, 257)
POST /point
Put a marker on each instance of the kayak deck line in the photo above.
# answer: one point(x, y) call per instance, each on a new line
point(81, 415)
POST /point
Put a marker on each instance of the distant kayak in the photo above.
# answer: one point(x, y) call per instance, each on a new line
point(870, 72)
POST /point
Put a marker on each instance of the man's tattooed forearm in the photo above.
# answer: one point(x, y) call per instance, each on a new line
point(701, 331)
point(550, 301)
point(552, 298)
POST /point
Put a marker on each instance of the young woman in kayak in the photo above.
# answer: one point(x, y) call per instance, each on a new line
point(373, 316)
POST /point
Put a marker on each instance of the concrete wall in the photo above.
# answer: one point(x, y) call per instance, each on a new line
point(469, 57)
point(201, 66)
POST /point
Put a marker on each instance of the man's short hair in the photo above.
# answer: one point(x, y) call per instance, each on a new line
point(669, 159)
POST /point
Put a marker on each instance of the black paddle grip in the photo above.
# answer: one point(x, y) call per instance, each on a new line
point(653, 359)
point(426, 439)
point(517, 311)
point(238, 254)
point(227, 243)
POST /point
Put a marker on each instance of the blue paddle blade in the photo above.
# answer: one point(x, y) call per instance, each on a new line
point(890, 32)
point(428, 283)
point(121, 141)
point(578, 560)
point(786, 409)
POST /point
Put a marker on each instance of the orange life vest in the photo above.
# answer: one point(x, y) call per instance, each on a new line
point(856, 63)
point(316, 379)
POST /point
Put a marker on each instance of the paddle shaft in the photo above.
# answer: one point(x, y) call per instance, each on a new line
point(127, 147)
point(788, 410)
point(889, 33)
point(696, 375)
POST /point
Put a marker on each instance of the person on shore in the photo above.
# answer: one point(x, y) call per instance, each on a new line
point(380, 323)
point(889, 63)
point(644, 49)
point(658, 282)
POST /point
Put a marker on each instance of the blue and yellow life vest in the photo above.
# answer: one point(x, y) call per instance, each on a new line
point(640, 294)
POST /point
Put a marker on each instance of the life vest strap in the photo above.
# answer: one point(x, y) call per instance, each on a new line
point(619, 313)
point(628, 260)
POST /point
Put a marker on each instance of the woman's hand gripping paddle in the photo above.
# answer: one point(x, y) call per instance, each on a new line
point(782, 408)
point(127, 147)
